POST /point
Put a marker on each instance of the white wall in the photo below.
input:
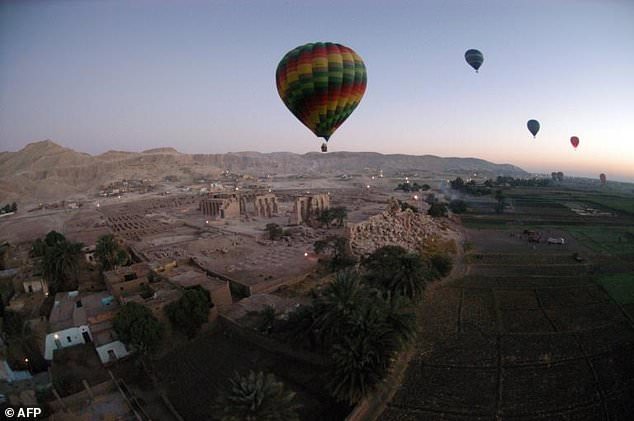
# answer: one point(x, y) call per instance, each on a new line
point(117, 346)
point(75, 335)
point(9, 375)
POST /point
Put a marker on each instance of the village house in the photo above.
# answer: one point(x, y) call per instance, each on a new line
point(128, 280)
point(84, 318)
point(138, 283)
point(35, 284)
point(187, 276)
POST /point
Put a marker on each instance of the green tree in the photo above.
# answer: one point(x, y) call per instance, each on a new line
point(405, 206)
point(138, 328)
point(359, 328)
point(339, 214)
point(458, 206)
point(60, 265)
point(38, 248)
point(400, 317)
point(339, 249)
point(342, 257)
point(266, 319)
point(394, 269)
point(337, 305)
point(437, 210)
point(190, 311)
point(457, 184)
point(298, 328)
point(53, 238)
point(274, 231)
point(14, 207)
point(325, 217)
point(441, 264)
point(320, 246)
point(13, 324)
point(499, 196)
point(109, 253)
point(256, 397)
point(357, 367)
point(362, 355)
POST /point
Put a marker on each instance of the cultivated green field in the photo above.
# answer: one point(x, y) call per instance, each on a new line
point(613, 240)
point(620, 287)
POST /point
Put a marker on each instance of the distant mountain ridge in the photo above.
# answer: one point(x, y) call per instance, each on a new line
point(46, 170)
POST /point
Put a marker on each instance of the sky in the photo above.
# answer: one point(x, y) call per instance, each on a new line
point(200, 76)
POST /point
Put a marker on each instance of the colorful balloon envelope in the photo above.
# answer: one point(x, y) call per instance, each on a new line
point(533, 127)
point(574, 141)
point(475, 58)
point(321, 84)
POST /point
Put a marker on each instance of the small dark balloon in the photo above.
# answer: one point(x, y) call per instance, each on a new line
point(533, 127)
point(475, 58)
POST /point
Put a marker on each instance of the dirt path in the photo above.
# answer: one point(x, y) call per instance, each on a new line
point(518, 345)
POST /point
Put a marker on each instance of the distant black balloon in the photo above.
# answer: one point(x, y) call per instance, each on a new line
point(533, 127)
point(475, 58)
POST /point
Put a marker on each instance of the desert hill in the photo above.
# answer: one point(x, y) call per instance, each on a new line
point(47, 171)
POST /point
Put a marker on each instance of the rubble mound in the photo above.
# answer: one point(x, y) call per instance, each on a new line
point(392, 227)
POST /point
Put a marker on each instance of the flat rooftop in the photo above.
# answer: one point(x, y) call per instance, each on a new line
point(73, 309)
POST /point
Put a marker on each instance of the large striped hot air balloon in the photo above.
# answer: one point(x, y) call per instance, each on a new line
point(321, 84)
point(533, 127)
point(475, 58)
point(574, 141)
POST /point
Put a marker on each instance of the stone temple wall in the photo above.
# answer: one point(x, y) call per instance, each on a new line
point(307, 207)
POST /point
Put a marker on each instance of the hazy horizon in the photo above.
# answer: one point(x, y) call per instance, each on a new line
point(199, 76)
point(545, 172)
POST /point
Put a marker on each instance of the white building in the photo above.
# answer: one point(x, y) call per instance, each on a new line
point(65, 338)
point(84, 318)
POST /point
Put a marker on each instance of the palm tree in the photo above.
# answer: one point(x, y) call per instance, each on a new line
point(109, 253)
point(394, 269)
point(61, 264)
point(257, 397)
point(400, 317)
point(363, 353)
point(409, 279)
point(267, 317)
point(358, 365)
point(338, 305)
point(298, 329)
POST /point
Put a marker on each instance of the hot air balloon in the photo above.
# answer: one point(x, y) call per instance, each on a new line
point(574, 141)
point(533, 127)
point(474, 58)
point(321, 84)
point(603, 179)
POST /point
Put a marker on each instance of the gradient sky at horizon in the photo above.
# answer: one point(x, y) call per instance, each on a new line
point(199, 76)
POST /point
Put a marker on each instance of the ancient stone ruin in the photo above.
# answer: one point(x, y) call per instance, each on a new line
point(234, 205)
point(307, 207)
point(391, 227)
